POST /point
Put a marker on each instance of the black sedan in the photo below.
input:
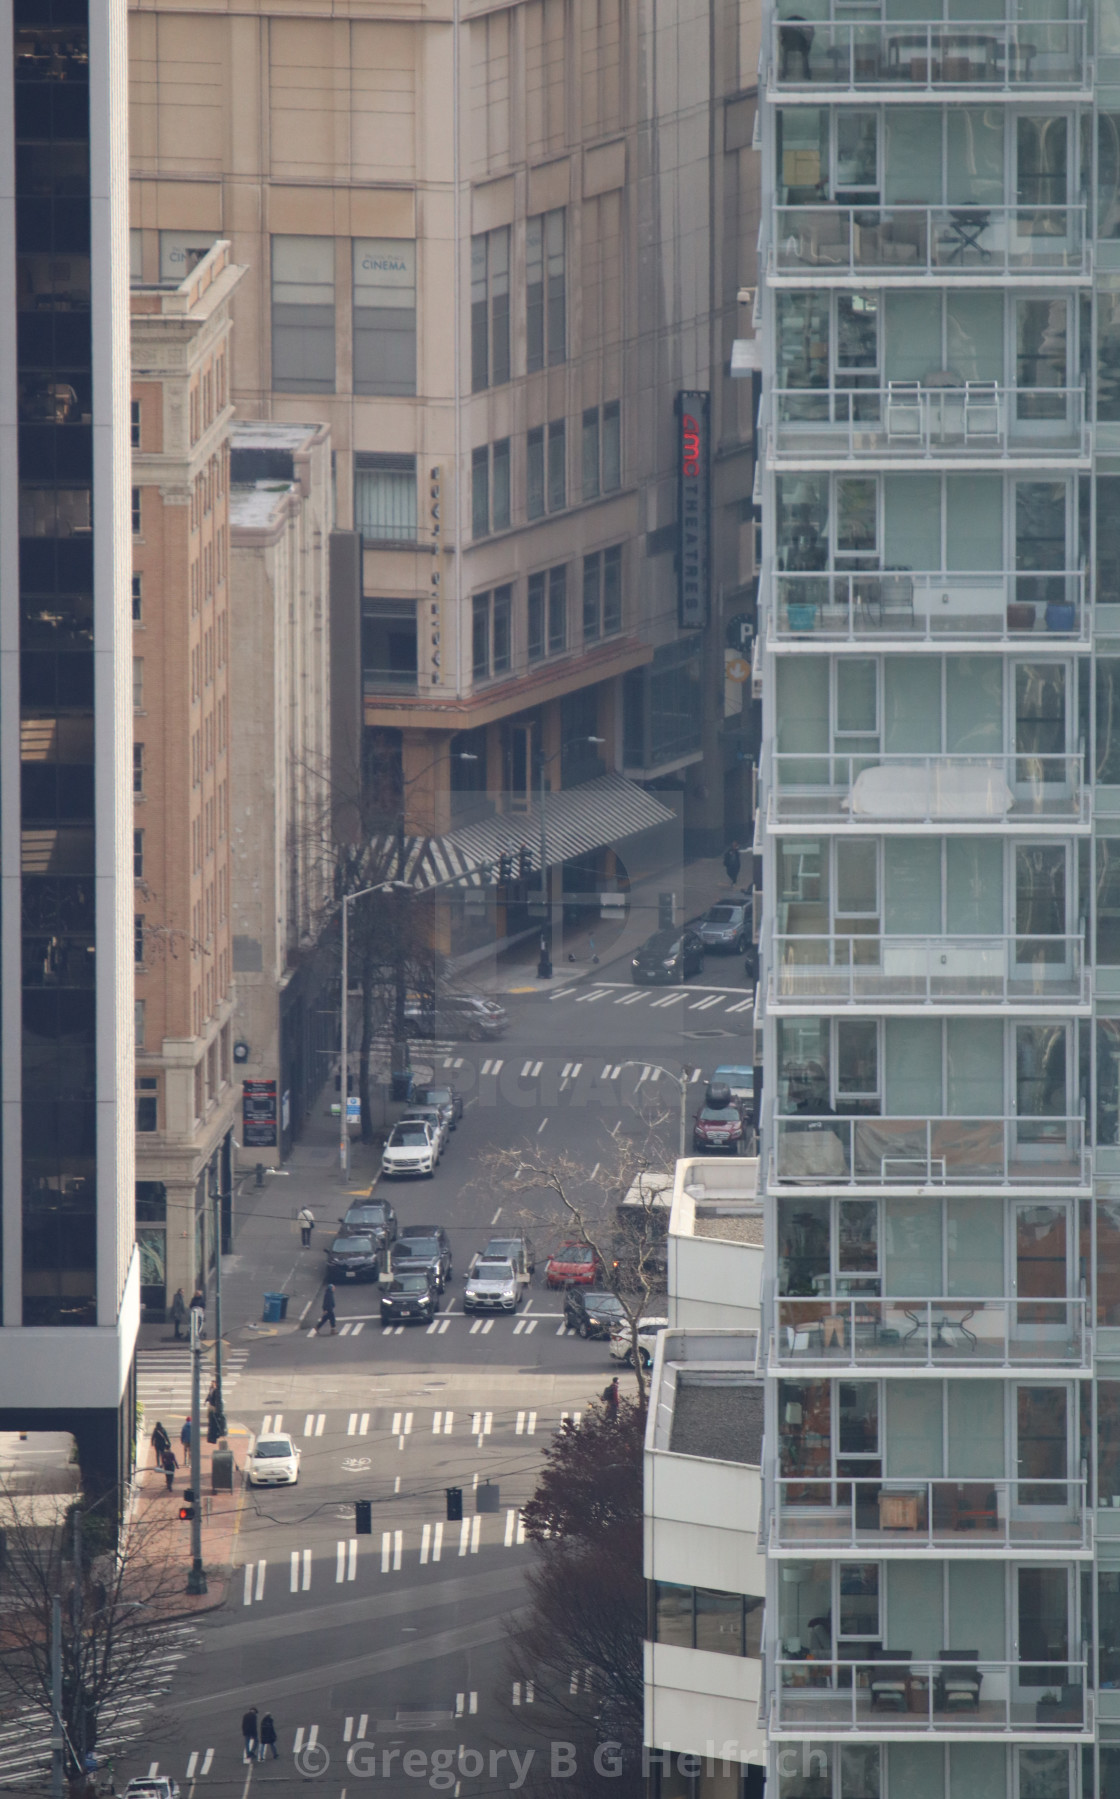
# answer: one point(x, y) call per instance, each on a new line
point(668, 957)
point(590, 1313)
point(371, 1218)
point(353, 1259)
point(410, 1298)
point(448, 1099)
point(420, 1248)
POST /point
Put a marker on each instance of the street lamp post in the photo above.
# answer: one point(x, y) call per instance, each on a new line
point(682, 1080)
point(544, 964)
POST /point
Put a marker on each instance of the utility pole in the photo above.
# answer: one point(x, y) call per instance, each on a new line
point(217, 1298)
point(56, 1698)
point(196, 1579)
point(544, 964)
point(344, 1074)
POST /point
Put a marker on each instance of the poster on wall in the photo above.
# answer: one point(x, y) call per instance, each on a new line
point(258, 1114)
point(693, 505)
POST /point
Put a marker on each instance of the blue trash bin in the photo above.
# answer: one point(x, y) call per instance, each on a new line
point(275, 1307)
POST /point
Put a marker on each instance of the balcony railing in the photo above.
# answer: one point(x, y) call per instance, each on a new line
point(865, 1331)
point(914, 790)
point(947, 1515)
point(987, 54)
point(828, 1151)
point(895, 970)
point(948, 241)
point(945, 603)
point(894, 1694)
point(910, 420)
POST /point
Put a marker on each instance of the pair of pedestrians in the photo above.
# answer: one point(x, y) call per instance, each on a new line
point(259, 1735)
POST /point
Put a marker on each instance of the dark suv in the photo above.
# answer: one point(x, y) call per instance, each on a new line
point(410, 1297)
point(370, 1218)
point(423, 1246)
point(353, 1259)
point(591, 1313)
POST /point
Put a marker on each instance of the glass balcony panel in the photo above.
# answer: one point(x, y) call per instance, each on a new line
point(861, 969)
point(949, 603)
point(949, 1515)
point(949, 241)
point(996, 53)
point(957, 1693)
point(865, 1330)
point(913, 419)
point(917, 789)
point(884, 1152)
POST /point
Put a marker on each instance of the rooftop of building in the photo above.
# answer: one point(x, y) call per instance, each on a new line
point(211, 281)
point(706, 1397)
point(255, 505)
point(717, 1196)
point(272, 434)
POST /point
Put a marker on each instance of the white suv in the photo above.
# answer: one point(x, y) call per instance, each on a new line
point(410, 1149)
point(649, 1329)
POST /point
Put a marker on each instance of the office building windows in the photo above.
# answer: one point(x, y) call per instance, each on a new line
point(480, 636)
point(138, 683)
point(602, 593)
point(138, 1020)
point(535, 617)
point(545, 302)
point(546, 482)
point(591, 475)
point(602, 460)
point(384, 315)
point(557, 466)
point(147, 1102)
point(135, 424)
point(385, 497)
point(490, 508)
point(138, 938)
point(480, 492)
point(138, 855)
point(500, 629)
point(490, 365)
point(138, 768)
point(490, 632)
point(137, 599)
point(499, 485)
point(534, 473)
point(303, 315)
point(610, 455)
point(557, 610)
point(136, 513)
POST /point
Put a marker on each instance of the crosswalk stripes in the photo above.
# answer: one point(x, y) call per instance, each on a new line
point(701, 999)
point(254, 1582)
point(163, 1376)
point(525, 1327)
point(194, 1766)
point(465, 1704)
point(352, 1329)
point(357, 1427)
point(314, 1424)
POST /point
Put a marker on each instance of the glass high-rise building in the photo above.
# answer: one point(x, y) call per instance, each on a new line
point(69, 1280)
point(940, 816)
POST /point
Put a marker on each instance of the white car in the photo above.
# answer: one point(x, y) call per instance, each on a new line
point(493, 1287)
point(152, 1786)
point(649, 1329)
point(274, 1462)
point(410, 1149)
point(432, 1115)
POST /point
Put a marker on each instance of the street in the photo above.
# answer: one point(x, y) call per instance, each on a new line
point(368, 1649)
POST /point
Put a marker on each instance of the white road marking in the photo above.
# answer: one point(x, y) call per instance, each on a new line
point(192, 1764)
point(396, 1430)
point(437, 1540)
point(497, 1069)
point(590, 998)
point(537, 1066)
point(561, 992)
point(464, 1536)
point(525, 1071)
point(562, 1330)
point(340, 1562)
point(574, 1416)
point(530, 1326)
point(615, 1072)
point(606, 1074)
point(531, 1424)
point(542, 1124)
point(266, 1425)
point(705, 1005)
point(206, 1761)
point(695, 1076)
point(437, 1423)
point(248, 1583)
point(359, 1327)
point(511, 1525)
point(476, 1532)
point(576, 1067)
point(496, 1217)
point(344, 1330)
point(363, 1721)
point(517, 1692)
point(744, 1005)
point(519, 1427)
point(348, 1730)
point(298, 1743)
point(630, 999)
point(261, 1566)
point(448, 1421)
point(485, 1069)
point(398, 1548)
point(153, 1770)
point(386, 1541)
point(352, 1559)
point(474, 1702)
point(295, 1571)
point(406, 1429)
point(667, 1000)
point(307, 1570)
point(425, 1544)
point(565, 1071)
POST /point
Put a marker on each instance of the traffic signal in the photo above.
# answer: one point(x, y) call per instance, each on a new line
point(363, 1518)
point(505, 868)
point(186, 1510)
point(666, 907)
point(524, 864)
point(454, 1505)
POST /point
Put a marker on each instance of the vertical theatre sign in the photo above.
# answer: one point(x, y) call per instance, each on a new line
point(693, 505)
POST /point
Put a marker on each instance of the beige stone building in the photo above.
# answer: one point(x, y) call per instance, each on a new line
point(182, 415)
point(490, 249)
point(280, 532)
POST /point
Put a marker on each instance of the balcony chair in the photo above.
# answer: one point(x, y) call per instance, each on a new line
point(957, 1687)
point(982, 411)
point(889, 1680)
point(904, 412)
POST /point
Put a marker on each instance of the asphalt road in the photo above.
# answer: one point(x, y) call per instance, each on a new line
point(368, 1650)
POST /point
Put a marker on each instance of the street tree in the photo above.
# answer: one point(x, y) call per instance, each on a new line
point(119, 1585)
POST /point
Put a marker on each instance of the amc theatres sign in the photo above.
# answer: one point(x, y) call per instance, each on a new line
point(693, 500)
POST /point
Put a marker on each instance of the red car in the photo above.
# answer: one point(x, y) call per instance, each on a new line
point(573, 1265)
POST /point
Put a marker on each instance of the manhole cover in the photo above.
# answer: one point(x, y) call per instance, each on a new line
point(696, 1034)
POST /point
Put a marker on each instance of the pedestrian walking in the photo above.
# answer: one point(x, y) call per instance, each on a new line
point(178, 1313)
point(185, 1436)
point(250, 1731)
point(169, 1462)
point(610, 1397)
point(306, 1226)
point(732, 862)
point(328, 1310)
point(268, 1736)
point(160, 1442)
point(198, 1304)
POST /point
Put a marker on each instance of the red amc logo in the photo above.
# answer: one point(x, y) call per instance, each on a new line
point(690, 445)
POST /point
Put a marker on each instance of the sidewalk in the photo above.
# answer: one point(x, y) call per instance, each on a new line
point(220, 1517)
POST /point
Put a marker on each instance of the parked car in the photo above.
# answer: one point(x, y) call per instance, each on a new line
point(493, 1287)
point(371, 1218)
point(152, 1786)
point(448, 1099)
point(591, 1313)
point(649, 1329)
point(423, 1246)
point(739, 1079)
point(410, 1297)
point(573, 1265)
point(462, 1017)
point(518, 1250)
point(718, 1124)
point(274, 1462)
point(429, 1115)
point(726, 926)
point(410, 1149)
point(353, 1259)
point(666, 957)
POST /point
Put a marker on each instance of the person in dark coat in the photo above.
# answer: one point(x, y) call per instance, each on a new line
point(178, 1313)
point(610, 1397)
point(732, 862)
point(169, 1462)
point(185, 1436)
point(250, 1732)
point(160, 1442)
point(328, 1310)
point(268, 1736)
point(198, 1304)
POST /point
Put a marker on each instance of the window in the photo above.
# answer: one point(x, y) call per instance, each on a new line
point(592, 598)
point(545, 323)
point(480, 492)
point(700, 1618)
point(385, 497)
point(136, 424)
point(611, 454)
point(138, 1012)
point(490, 632)
point(138, 683)
point(499, 485)
point(138, 937)
point(384, 315)
point(612, 590)
point(480, 636)
point(534, 473)
point(591, 477)
point(138, 768)
point(136, 512)
point(500, 637)
point(490, 366)
point(138, 855)
point(303, 314)
point(180, 252)
point(557, 610)
point(536, 617)
point(137, 599)
point(147, 1102)
point(602, 461)
point(602, 593)
point(557, 471)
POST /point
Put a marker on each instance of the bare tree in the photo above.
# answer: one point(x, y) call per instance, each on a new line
point(118, 1588)
point(620, 1211)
